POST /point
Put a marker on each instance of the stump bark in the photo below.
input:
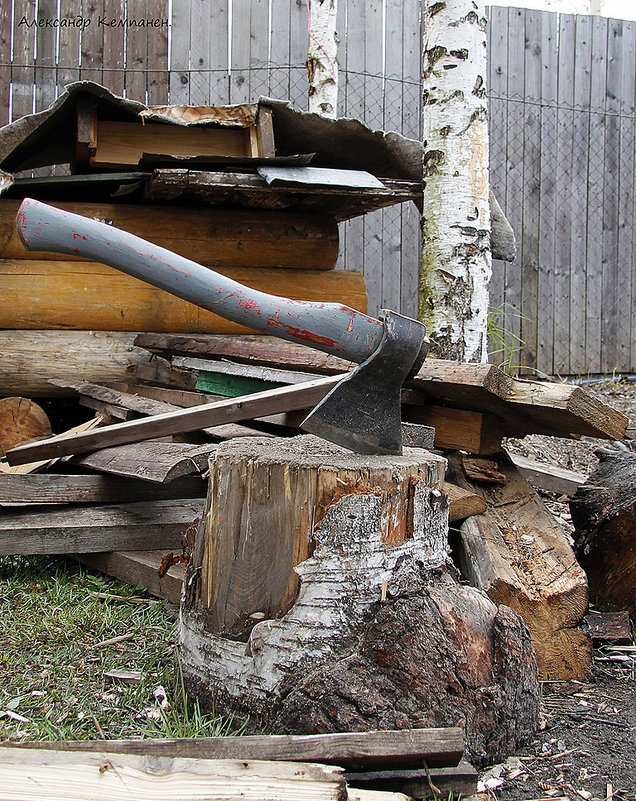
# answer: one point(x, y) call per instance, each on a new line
point(604, 516)
point(320, 599)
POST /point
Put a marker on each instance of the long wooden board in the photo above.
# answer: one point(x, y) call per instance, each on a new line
point(57, 488)
point(215, 237)
point(139, 568)
point(89, 295)
point(283, 399)
point(354, 750)
point(132, 526)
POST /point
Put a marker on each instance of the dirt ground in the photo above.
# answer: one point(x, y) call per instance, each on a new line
point(587, 746)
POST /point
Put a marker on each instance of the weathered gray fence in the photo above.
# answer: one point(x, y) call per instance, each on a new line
point(563, 132)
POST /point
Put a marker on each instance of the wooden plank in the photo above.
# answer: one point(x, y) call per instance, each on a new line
point(5, 62)
point(579, 176)
point(89, 295)
point(69, 48)
point(213, 237)
point(31, 358)
point(175, 397)
point(529, 240)
point(243, 370)
point(92, 42)
point(612, 304)
point(626, 355)
point(279, 42)
point(180, 76)
point(609, 627)
point(548, 199)
point(45, 72)
point(54, 775)
point(298, 45)
point(137, 41)
point(596, 169)
point(259, 49)
point(54, 488)
point(355, 750)
point(139, 568)
point(107, 395)
point(22, 70)
point(546, 476)
point(157, 53)
point(262, 403)
point(114, 45)
point(217, 82)
point(159, 462)
point(457, 781)
point(130, 526)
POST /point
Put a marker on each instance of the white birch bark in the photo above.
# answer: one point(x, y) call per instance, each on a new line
point(456, 261)
point(322, 63)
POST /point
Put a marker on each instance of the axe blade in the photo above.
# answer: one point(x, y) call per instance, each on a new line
point(363, 412)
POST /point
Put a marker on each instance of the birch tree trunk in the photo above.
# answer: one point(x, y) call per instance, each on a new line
point(456, 257)
point(322, 64)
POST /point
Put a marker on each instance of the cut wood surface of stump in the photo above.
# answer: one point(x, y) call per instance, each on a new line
point(320, 599)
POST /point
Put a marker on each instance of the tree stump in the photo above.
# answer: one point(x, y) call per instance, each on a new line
point(320, 599)
point(604, 516)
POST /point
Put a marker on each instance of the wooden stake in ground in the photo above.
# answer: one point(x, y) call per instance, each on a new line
point(318, 600)
point(456, 257)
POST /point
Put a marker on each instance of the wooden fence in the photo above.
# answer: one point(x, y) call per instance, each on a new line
point(562, 136)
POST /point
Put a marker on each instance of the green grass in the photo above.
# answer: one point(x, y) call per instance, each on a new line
point(52, 668)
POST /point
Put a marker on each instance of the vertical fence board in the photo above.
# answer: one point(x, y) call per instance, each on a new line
point(279, 50)
point(610, 305)
point(547, 199)
point(298, 47)
point(22, 71)
point(114, 47)
point(136, 53)
point(566, 204)
point(259, 46)
point(157, 79)
point(410, 232)
point(498, 127)
point(45, 73)
point(218, 79)
point(529, 239)
point(578, 223)
point(180, 77)
point(514, 162)
point(203, 22)
point(240, 75)
point(92, 62)
point(625, 208)
point(596, 170)
point(5, 62)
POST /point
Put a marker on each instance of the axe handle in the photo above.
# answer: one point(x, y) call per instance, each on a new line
point(331, 327)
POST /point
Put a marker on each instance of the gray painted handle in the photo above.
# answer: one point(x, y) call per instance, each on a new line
point(331, 327)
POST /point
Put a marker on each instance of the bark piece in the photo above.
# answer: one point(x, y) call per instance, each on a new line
point(379, 636)
point(20, 420)
point(483, 470)
point(518, 554)
point(604, 516)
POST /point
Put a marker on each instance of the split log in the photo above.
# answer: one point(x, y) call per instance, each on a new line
point(31, 358)
point(518, 554)
point(215, 237)
point(83, 295)
point(604, 516)
point(378, 635)
point(20, 420)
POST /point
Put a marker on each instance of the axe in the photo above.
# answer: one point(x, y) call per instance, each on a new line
point(362, 412)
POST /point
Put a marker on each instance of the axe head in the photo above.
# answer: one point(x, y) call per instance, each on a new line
point(363, 412)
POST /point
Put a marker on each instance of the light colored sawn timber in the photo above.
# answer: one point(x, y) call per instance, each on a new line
point(215, 237)
point(82, 295)
point(31, 358)
point(548, 476)
point(518, 554)
point(63, 776)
